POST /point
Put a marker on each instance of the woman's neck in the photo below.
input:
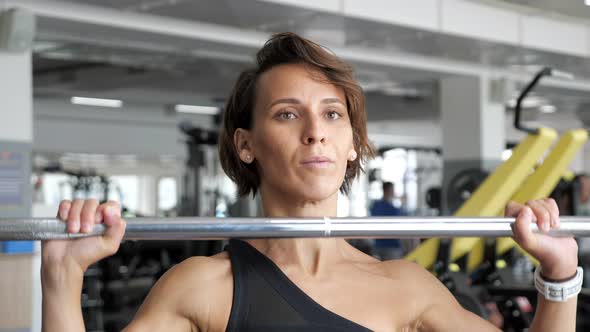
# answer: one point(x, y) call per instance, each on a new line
point(309, 255)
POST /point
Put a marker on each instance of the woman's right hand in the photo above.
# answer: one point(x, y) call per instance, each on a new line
point(78, 254)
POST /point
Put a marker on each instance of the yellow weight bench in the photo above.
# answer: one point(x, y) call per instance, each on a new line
point(508, 181)
point(544, 180)
point(493, 194)
point(538, 185)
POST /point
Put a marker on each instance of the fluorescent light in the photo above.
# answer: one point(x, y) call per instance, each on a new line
point(96, 102)
point(587, 2)
point(528, 102)
point(548, 108)
point(193, 109)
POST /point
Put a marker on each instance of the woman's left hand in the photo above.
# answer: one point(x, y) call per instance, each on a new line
point(558, 256)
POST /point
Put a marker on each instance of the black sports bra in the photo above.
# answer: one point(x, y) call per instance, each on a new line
point(265, 299)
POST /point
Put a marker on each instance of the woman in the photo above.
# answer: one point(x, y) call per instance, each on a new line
point(294, 131)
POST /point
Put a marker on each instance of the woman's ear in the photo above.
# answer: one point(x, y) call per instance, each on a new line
point(352, 155)
point(243, 144)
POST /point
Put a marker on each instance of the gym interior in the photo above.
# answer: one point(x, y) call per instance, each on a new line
point(470, 104)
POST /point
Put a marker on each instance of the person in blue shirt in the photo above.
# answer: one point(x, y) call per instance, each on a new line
point(384, 206)
point(387, 248)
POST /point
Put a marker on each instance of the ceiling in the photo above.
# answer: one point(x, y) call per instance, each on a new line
point(89, 60)
point(574, 8)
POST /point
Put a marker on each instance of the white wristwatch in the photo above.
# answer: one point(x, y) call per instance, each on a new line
point(559, 291)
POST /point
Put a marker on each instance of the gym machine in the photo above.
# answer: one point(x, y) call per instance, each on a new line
point(486, 259)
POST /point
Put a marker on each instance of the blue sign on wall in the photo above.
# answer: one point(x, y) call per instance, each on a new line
point(15, 189)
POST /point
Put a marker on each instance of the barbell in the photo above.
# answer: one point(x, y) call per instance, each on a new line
point(209, 228)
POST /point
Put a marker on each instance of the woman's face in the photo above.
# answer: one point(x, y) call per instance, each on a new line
point(302, 137)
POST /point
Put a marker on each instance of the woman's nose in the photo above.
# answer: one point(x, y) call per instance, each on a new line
point(314, 133)
point(311, 140)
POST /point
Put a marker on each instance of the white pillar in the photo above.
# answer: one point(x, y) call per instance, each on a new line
point(19, 286)
point(16, 97)
point(473, 132)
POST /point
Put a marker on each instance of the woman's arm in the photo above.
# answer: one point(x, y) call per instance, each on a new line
point(63, 262)
point(554, 316)
point(443, 313)
point(178, 301)
point(195, 295)
point(558, 258)
point(437, 309)
point(61, 299)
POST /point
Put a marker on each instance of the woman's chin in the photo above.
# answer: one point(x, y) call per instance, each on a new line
point(310, 189)
point(313, 193)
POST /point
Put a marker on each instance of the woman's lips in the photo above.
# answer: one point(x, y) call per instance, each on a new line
point(317, 162)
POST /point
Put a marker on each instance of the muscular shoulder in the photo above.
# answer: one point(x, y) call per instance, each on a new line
point(401, 268)
point(195, 273)
point(434, 303)
point(406, 275)
point(200, 270)
point(196, 281)
point(182, 297)
point(416, 279)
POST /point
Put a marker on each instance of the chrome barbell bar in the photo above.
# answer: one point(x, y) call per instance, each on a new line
point(209, 228)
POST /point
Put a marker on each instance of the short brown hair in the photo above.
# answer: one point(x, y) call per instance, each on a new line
point(289, 48)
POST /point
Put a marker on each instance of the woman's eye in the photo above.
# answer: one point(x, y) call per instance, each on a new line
point(333, 115)
point(287, 115)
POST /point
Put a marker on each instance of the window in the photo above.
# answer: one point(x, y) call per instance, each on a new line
point(167, 194)
point(125, 190)
point(56, 187)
